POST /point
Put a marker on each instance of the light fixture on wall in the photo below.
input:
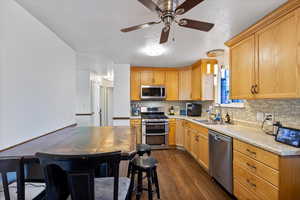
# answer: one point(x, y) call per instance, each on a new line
point(153, 50)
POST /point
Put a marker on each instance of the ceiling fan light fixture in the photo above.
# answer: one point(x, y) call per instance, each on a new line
point(153, 50)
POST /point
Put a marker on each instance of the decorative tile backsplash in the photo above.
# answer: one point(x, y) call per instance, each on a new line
point(285, 111)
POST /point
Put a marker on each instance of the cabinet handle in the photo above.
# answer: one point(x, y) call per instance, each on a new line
point(256, 89)
point(251, 152)
point(251, 166)
point(251, 184)
point(252, 89)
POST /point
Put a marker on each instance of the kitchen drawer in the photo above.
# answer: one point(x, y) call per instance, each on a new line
point(261, 155)
point(202, 130)
point(262, 189)
point(241, 192)
point(257, 168)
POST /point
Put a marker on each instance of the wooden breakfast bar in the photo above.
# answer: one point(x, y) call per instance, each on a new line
point(78, 140)
point(72, 141)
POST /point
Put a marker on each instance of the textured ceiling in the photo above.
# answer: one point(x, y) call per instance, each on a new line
point(93, 27)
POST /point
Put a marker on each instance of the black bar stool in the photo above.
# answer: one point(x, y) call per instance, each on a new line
point(78, 177)
point(141, 149)
point(13, 164)
point(146, 165)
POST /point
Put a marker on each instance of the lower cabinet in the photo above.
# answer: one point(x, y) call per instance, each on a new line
point(137, 123)
point(196, 143)
point(172, 132)
point(179, 136)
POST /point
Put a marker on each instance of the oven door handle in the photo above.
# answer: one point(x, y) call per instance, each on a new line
point(155, 134)
point(155, 124)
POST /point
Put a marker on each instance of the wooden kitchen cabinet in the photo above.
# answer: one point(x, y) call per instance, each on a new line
point(203, 80)
point(203, 156)
point(153, 77)
point(172, 84)
point(172, 132)
point(185, 83)
point(278, 67)
point(242, 71)
point(159, 77)
point(137, 124)
point(147, 78)
point(264, 59)
point(180, 132)
point(196, 81)
point(135, 85)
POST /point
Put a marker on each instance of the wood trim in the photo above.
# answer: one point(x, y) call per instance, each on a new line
point(265, 21)
point(69, 126)
point(121, 118)
point(85, 114)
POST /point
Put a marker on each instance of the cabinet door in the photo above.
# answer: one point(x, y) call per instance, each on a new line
point(203, 156)
point(277, 59)
point(242, 69)
point(146, 78)
point(187, 140)
point(193, 139)
point(159, 77)
point(196, 82)
point(179, 133)
point(172, 134)
point(172, 85)
point(135, 85)
point(185, 84)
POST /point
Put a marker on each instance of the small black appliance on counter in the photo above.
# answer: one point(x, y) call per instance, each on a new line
point(193, 109)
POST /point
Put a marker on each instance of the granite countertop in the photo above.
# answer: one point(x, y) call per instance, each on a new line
point(254, 136)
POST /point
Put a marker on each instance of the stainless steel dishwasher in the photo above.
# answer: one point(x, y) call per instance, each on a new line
point(220, 159)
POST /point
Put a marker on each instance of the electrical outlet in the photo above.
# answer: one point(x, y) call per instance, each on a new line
point(269, 117)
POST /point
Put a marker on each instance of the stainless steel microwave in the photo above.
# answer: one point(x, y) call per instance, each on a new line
point(153, 92)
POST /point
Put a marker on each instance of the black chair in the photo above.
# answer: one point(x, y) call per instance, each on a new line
point(146, 165)
point(75, 174)
point(141, 149)
point(13, 164)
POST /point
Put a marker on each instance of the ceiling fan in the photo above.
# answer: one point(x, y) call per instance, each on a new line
point(167, 11)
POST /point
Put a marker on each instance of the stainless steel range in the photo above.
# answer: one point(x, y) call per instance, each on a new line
point(155, 127)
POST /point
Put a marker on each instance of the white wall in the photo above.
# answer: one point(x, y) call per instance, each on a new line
point(121, 93)
point(83, 92)
point(37, 78)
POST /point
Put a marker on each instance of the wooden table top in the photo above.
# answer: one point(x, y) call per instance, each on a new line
point(79, 140)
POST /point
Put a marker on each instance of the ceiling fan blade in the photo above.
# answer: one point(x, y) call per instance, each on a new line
point(198, 25)
point(150, 5)
point(186, 6)
point(164, 35)
point(141, 26)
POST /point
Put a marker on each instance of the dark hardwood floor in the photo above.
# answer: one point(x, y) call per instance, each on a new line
point(181, 178)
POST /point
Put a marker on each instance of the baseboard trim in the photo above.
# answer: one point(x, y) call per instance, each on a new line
point(69, 126)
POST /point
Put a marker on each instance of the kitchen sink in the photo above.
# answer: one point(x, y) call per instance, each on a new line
point(208, 122)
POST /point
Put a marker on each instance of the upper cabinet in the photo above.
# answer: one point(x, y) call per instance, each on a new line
point(185, 83)
point(242, 69)
point(159, 77)
point(152, 78)
point(277, 66)
point(194, 82)
point(135, 85)
point(203, 80)
point(265, 58)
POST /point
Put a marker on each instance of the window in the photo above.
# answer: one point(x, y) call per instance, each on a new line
point(223, 88)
